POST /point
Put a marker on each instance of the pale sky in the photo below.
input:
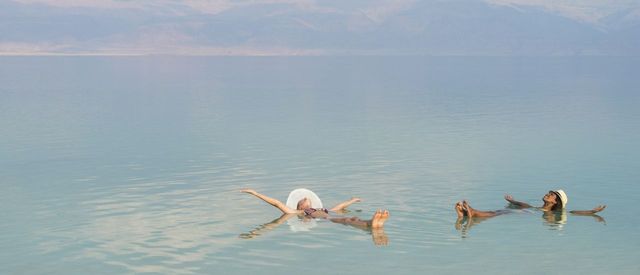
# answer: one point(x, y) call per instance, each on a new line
point(329, 27)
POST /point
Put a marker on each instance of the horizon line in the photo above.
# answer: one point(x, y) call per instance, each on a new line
point(280, 54)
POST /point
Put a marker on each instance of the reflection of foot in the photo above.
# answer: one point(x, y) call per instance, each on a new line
point(458, 223)
point(459, 209)
point(379, 237)
point(379, 218)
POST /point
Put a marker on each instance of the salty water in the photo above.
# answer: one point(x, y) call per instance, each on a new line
point(120, 165)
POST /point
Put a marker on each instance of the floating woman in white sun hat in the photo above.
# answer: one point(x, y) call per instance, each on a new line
point(305, 203)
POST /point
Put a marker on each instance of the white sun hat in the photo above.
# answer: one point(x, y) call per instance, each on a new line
point(296, 195)
point(563, 197)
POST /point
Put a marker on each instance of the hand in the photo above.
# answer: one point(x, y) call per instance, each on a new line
point(250, 191)
point(599, 208)
point(508, 197)
point(356, 199)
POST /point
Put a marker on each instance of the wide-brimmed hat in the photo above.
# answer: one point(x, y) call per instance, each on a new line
point(296, 195)
point(562, 195)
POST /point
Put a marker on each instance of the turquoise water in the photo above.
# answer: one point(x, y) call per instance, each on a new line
point(116, 165)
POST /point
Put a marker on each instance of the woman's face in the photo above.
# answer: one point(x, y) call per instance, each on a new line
point(550, 197)
point(304, 204)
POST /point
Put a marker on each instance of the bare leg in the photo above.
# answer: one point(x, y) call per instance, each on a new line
point(477, 213)
point(377, 221)
point(375, 225)
point(353, 221)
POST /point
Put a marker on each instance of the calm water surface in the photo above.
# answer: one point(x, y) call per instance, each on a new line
point(121, 165)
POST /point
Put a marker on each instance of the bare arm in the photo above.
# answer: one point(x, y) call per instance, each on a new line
point(278, 204)
point(519, 204)
point(345, 204)
point(589, 212)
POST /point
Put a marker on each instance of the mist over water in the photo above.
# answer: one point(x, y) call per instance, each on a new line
point(112, 165)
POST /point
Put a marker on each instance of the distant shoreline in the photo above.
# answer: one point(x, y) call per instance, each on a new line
point(275, 54)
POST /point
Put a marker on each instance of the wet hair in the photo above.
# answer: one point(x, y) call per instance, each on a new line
point(558, 205)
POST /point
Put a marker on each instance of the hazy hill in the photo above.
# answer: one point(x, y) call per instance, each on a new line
point(466, 27)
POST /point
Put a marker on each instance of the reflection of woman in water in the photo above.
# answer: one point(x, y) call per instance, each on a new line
point(553, 207)
point(305, 209)
point(552, 201)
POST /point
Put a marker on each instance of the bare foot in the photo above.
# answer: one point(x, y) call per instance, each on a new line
point(379, 218)
point(468, 209)
point(459, 210)
point(385, 216)
point(375, 218)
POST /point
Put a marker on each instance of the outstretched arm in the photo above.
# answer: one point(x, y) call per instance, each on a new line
point(345, 204)
point(589, 212)
point(513, 202)
point(278, 204)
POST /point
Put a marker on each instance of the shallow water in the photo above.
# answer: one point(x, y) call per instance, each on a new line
point(113, 165)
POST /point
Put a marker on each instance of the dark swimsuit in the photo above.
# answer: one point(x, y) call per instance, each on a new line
point(316, 212)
